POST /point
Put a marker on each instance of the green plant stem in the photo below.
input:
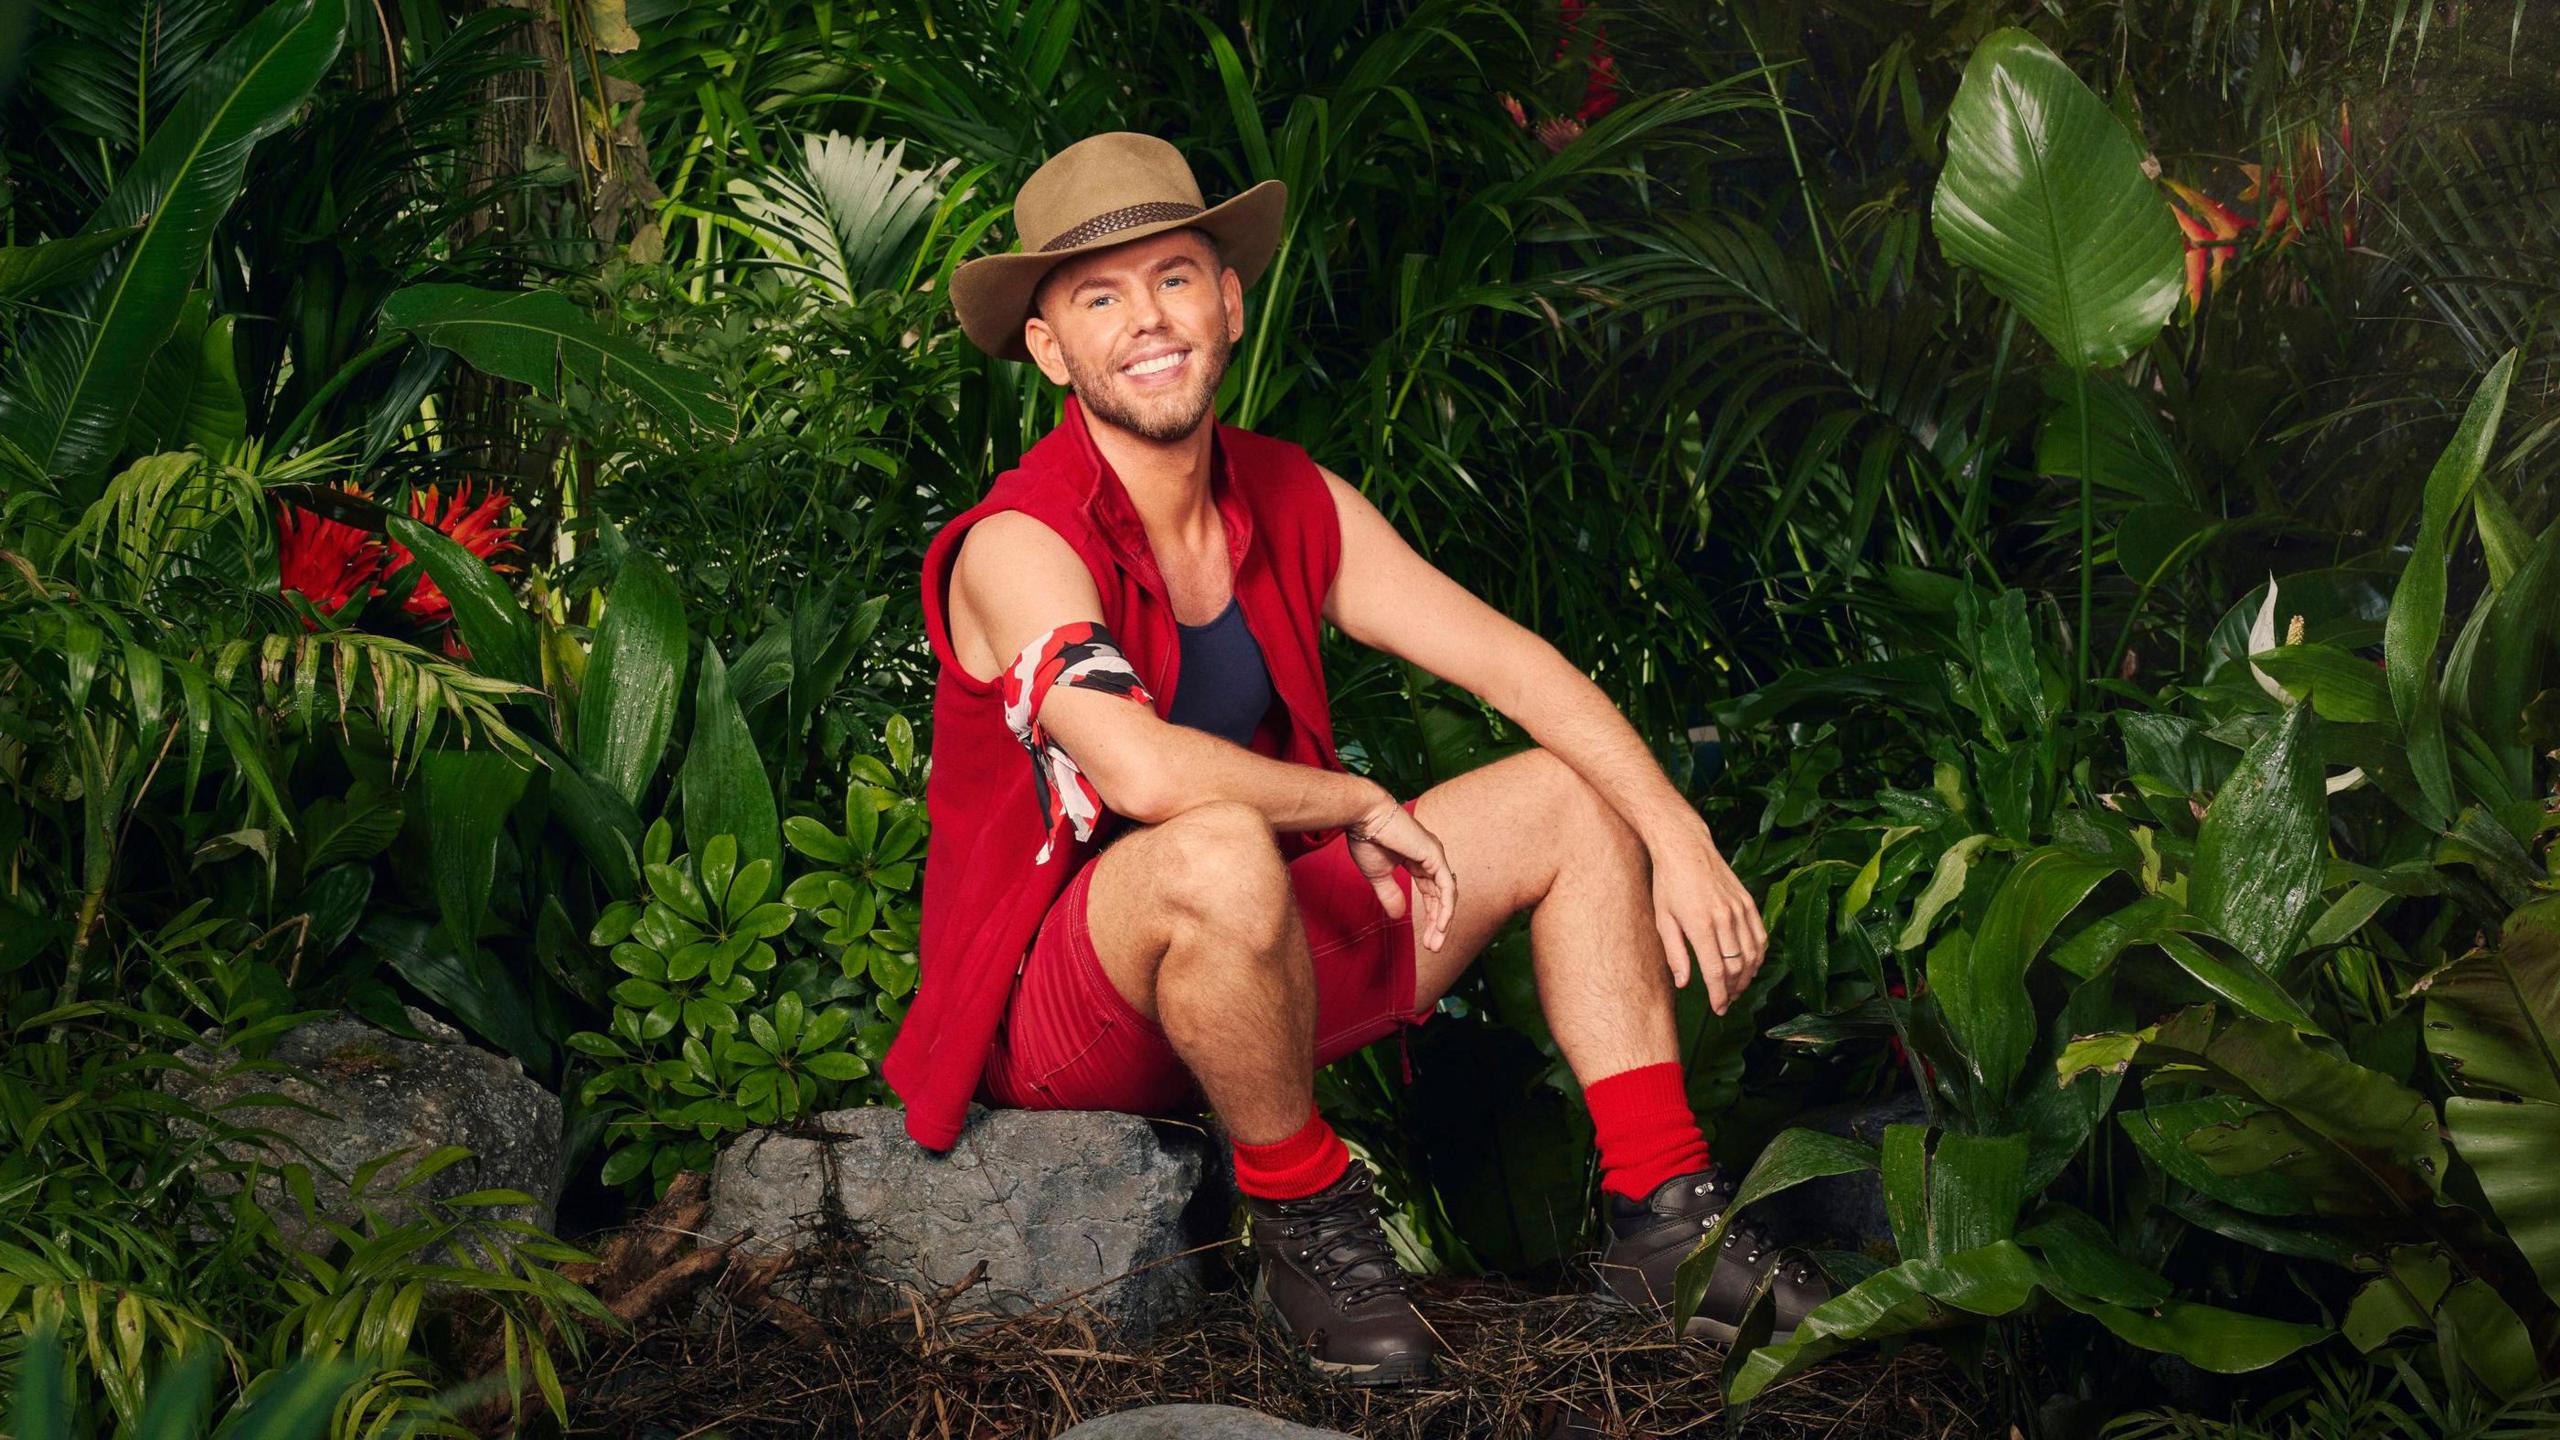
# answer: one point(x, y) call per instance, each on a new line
point(2080, 675)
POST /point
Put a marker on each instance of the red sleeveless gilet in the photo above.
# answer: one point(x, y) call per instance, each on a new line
point(983, 897)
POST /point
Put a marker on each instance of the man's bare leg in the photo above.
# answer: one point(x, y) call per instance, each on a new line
point(1528, 833)
point(1194, 921)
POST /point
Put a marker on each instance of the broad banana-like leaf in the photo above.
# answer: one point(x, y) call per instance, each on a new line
point(2045, 197)
point(75, 374)
point(2416, 621)
point(2493, 1016)
point(537, 337)
point(2130, 452)
point(2262, 850)
point(2404, 1298)
point(2351, 1141)
point(726, 790)
point(192, 394)
point(634, 676)
point(2509, 1145)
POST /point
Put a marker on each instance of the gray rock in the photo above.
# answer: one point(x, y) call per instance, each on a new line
point(1848, 1210)
point(1062, 1206)
point(370, 1094)
point(1193, 1422)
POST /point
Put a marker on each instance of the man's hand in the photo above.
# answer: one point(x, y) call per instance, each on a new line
point(1386, 835)
point(1698, 902)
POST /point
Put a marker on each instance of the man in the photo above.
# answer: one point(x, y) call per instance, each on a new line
point(1151, 883)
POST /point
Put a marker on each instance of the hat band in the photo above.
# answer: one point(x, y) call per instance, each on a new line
point(1121, 219)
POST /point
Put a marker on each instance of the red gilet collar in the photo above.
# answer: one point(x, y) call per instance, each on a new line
point(1115, 515)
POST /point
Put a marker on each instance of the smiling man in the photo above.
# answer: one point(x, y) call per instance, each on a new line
point(1152, 886)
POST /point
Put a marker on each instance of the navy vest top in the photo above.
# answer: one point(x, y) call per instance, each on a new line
point(1223, 687)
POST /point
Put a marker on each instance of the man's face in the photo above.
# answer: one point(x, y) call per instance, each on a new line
point(1142, 332)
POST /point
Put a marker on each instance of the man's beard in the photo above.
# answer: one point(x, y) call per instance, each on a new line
point(1161, 417)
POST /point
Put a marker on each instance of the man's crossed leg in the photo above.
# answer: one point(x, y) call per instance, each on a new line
point(1190, 954)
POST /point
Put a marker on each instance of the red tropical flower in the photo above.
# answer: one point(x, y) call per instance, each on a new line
point(1600, 84)
point(325, 561)
point(473, 527)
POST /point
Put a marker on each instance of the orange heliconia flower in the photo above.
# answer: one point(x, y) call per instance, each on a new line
point(2213, 236)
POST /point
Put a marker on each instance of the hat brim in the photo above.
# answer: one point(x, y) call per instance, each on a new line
point(992, 294)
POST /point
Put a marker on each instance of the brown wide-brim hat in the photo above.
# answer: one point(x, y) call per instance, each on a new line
point(1105, 190)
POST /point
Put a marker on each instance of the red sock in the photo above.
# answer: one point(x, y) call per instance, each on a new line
point(1294, 1168)
point(1646, 1133)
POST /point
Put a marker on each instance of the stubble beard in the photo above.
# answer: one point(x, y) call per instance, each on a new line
point(1161, 418)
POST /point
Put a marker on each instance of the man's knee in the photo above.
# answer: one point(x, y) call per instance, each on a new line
point(1218, 868)
point(1589, 830)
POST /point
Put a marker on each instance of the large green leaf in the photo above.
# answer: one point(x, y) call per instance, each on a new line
point(2514, 656)
point(2510, 1147)
point(2002, 1279)
point(726, 790)
point(74, 375)
point(634, 677)
point(2160, 1132)
point(1976, 1183)
point(2262, 850)
point(474, 986)
point(30, 270)
point(2340, 686)
point(2044, 195)
point(2416, 622)
point(1915, 1295)
point(496, 628)
point(598, 818)
point(466, 796)
point(2353, 1140)
point(538, 337)
point(2494, 1015)
point(1981, 988)
point(2080, 1250)
point(2249, 989)
point(2207, 1336)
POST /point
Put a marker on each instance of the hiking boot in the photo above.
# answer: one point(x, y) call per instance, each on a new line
point(1648, 1241)
point(1331, 1281)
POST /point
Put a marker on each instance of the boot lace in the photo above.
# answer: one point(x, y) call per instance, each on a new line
point(1337, 1236)
point(1746, 1239)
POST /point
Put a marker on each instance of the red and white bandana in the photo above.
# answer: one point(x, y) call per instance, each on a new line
point(1081, 654)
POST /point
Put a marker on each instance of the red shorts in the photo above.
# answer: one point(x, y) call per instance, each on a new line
point(1072, 1041)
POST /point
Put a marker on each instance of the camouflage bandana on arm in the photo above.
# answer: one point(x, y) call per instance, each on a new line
point(1081, 654)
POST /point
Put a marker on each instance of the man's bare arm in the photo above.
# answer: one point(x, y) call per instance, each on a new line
point(1388, 597)
point(1015, 580)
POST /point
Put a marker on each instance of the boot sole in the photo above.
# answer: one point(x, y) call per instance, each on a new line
point(1394, 1370)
